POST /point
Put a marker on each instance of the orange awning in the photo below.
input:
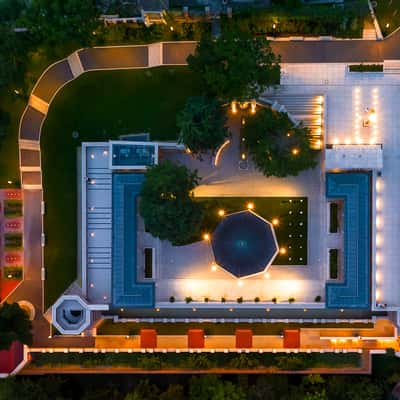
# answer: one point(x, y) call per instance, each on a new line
point(195, 338)
point(244, 338)
point(291, 338)
point(148, 338)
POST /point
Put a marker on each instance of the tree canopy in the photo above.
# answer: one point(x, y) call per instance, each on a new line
point(14, 325)
point(202, 125)
point(167, 204)
point(278, 148)
point(236, 66)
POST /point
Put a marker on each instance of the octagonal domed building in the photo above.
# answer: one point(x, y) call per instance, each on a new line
point(244, 244)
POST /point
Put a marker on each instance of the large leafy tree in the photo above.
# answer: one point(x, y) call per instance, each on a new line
point(202, 125)
point(55, 21)
point(167, 205)
point(211, 387)
point(14, 325)
point(277, 146)
point(236, 66)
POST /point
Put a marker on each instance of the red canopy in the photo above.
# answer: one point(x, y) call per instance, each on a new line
point(11, 358)
point(148, 338)
point(291, 338)
point(195, 338)
point(244, 338)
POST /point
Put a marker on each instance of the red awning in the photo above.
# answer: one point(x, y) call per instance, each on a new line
point(148, 338)
point(10, 359)
point(244, 338)
point(291, 338)
point(195, 338)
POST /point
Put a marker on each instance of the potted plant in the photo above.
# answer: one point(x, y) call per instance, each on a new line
point(256, 299)
point(172, 299)
point(240, 299)
point(206, 299)
point(291, 300)
point(188, 299)
point(223, 300)
point(317, 299)
point(274, 300)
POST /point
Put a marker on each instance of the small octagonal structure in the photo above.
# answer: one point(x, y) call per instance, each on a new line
point(244, 244)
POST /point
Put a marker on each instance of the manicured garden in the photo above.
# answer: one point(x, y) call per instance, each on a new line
point(288, 215)
point(304, 20)
point(131, 101)
point(225, 328)
point(202, 361)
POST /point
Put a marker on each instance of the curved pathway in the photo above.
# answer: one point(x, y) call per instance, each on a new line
point(129, 57)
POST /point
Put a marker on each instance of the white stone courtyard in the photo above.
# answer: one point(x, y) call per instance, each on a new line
point(186, 271)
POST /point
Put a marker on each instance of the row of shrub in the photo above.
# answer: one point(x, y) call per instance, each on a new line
point(291, 361)
point(366, 68)
point(240, 299)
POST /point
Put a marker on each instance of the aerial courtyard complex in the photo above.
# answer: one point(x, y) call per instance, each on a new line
point(300, 259)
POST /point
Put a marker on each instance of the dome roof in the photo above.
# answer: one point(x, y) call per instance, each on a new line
point(244, 243)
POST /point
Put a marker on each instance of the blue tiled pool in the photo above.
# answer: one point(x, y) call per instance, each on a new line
point(133, 155)
point(355, 290)
point(127, 292)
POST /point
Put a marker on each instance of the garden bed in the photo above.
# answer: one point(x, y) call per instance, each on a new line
point(314, 20)
point(366, 68)
point(290, 214)
point(199, 361)
point(12, 272)
point(13, 241)
point(333, 263)
point(333, 218)
point(12, 208)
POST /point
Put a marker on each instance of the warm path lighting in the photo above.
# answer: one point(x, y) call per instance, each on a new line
point(233, 107)
point(240, 283)
point(213, 267)
point(295, 152)
point(275, 221)
point(206, 236)
point(266, 275)
point(250, 206)
point(221, 213)
point(253, 107)
point(282, 250)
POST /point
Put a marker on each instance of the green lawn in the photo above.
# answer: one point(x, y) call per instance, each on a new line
point(180, 328)
point(100, 106)
point(290, 213)
point(388, 14)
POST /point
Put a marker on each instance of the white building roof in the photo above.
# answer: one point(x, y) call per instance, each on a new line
point(354, 157)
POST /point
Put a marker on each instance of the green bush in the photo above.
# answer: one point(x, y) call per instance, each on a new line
point(188, 299)
point(333, 263)
point(333, 217)
point(366, 68)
